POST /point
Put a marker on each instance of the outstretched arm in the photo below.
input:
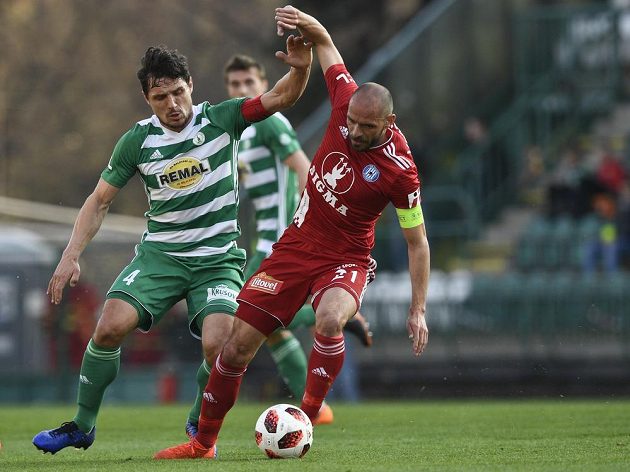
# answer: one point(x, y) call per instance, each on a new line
point(300, 164)
point(86, 226)
point(418, 249)
point(290, 18)
point(289, 88)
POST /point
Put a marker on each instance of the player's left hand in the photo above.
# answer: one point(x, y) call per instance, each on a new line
point(371, 272)
point(287, 19)
point(417, 330)
point(299, 53)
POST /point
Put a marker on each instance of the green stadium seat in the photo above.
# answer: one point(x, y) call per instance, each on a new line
point(483, 306)
point(563, 239)
point(532, 243)
point(561, 301)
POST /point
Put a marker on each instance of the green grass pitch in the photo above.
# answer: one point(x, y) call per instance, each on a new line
point(394, 436)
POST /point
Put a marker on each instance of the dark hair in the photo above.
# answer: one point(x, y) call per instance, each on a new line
point(159, 63)
point(243, 62)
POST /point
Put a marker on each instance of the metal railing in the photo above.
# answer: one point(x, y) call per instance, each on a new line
point(567, 70)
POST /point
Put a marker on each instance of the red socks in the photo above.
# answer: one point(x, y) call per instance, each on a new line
point(224, 383)
point(218, 398)
point(324, 365)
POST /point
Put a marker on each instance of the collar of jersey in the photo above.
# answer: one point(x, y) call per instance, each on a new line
point(391, 134)
point(176, 134)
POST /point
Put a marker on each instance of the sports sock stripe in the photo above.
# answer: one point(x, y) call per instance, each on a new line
point(285, 350)
point(227, 371)
point(331, 349)
point(100, 353)
point(330, 353)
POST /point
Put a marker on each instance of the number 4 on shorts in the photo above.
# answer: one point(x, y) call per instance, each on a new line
point(131, 277)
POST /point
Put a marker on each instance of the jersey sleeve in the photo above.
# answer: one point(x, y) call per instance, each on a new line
point(280, 136)
point(406, 190)
point(340, 85)
point(227, 115)
point(123, 163)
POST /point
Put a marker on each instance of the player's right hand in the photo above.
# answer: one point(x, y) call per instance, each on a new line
point(68, 270)
point(299, 53)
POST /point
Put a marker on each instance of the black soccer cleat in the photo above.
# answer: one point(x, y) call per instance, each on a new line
point(359, 326)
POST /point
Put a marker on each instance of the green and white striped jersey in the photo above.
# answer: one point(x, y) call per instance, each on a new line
point(271, 185)
point(190, 178)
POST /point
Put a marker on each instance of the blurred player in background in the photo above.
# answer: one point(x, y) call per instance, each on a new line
point(186, 157)
point(273, 169)
point(362, 164)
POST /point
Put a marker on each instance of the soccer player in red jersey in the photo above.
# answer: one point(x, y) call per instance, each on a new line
point(362, 164)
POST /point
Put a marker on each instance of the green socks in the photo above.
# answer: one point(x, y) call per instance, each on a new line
point(291, 361)
point(202, 380)
point(99, 368)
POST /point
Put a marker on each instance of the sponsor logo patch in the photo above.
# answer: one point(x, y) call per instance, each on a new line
point(414, 198)
point(328, 196)
point(183, 173)
point(320, 371)
point(264, 283)
point(337, 173)
point(371, 173)
point(199, 139)
point(156, 155)
point(222, 292)
point(207, 396)
point(84, 380)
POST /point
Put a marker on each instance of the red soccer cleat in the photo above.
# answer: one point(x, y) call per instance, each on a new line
point(189, 450)
point(325, 415)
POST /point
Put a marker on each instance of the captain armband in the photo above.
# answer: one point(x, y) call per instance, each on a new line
point(410, 217)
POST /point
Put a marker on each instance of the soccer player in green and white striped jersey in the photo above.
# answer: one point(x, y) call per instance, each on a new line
point(186, 156)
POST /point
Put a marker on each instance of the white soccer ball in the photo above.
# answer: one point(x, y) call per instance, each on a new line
point(284, 431)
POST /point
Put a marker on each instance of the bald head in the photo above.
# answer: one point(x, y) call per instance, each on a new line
point(370, 114)
point(374, 96)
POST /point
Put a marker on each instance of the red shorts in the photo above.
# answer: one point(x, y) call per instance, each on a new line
point(286, 278)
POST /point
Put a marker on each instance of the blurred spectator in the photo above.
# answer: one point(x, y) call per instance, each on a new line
point(179, 345)
point(610, 172)
point(144, 348)
point(532, 179)
point(492, 169)
point(604, 246)
point(566, 184)
point(475, 131)
point(623, 223)
point(71, 324)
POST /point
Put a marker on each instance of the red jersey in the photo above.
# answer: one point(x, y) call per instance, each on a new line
point(347, 190)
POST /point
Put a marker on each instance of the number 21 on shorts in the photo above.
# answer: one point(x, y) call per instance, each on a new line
point(341, 273)
point(131, 277)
